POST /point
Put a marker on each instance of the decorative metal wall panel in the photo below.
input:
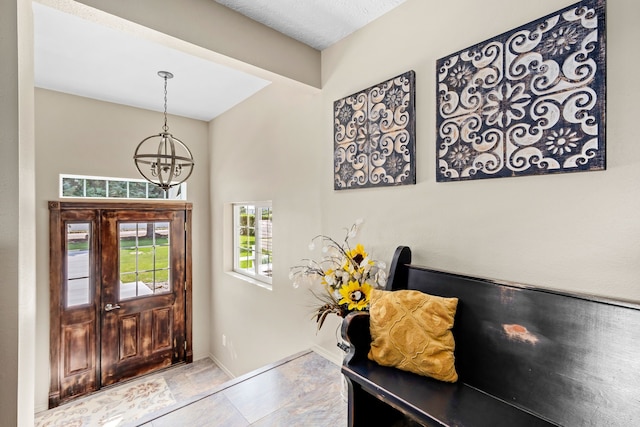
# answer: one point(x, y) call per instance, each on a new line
point(530, 101)
point(375, 134)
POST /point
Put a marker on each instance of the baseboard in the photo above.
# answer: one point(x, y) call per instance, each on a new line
point(331, 356)
point(221, 366)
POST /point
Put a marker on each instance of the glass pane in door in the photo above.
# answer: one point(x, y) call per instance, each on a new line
point(78, 243)
point(144, 259)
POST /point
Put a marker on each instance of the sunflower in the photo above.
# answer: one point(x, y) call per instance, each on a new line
point(356, 295)
point(358, 254)
point(355, 258)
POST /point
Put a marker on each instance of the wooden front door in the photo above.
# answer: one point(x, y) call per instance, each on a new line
point(120, 293)
point(143, 279)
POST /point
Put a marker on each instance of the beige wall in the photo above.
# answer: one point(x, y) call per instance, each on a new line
point(27, 230)
point(577, 232)
point(9, 211)
point(266, 148)
point(82, 136)
point(17, 231)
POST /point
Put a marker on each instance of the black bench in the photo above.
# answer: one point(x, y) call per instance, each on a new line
point(577, 365)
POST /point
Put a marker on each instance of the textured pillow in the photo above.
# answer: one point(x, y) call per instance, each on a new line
point(411, 330)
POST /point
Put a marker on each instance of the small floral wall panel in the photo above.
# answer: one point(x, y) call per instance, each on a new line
point(530, 101)
point(374, 135)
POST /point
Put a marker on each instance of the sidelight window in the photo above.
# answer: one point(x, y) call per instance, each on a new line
point(78, 263)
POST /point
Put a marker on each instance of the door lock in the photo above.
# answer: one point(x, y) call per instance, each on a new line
point(110, 307)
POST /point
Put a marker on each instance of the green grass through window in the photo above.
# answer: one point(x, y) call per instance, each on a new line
point(147, 263)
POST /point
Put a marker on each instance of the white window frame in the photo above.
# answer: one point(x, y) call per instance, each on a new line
point(257, 272)
point(178, 192)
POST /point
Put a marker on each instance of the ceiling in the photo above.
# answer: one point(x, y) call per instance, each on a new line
point(86, 58)
point(317, 23)
point(81, 57)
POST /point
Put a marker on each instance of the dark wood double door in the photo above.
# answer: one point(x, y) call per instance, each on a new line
point(120, 277)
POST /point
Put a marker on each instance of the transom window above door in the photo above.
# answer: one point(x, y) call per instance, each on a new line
point(100, 187)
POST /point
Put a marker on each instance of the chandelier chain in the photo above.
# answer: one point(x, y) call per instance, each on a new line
point(162, 159)
point(165, 128)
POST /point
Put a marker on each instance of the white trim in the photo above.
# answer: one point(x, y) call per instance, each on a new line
point(250, 279)
point(182, 188)
point(332, 356)
point(222, 366)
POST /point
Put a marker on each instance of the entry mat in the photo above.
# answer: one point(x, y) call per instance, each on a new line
point(115, 407)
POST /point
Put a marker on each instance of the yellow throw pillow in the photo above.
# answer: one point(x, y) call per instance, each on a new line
point(411, 330)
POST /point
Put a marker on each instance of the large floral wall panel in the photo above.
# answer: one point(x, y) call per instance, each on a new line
point(374, 135)
point(530, 101)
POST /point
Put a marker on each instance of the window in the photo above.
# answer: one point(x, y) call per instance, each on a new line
point(79, 186)
point(144, 259)
point(252, 240)
point(78, 264)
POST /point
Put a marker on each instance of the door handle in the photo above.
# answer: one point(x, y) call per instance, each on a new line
point(110, 307)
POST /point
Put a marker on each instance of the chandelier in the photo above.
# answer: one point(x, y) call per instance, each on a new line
point(163, 159)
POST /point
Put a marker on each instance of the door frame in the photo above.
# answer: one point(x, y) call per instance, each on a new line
point(57, 210)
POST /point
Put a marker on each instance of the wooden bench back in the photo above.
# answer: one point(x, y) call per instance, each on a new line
point(571, 359)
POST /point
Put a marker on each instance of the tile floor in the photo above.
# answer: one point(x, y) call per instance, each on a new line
point(302, 390)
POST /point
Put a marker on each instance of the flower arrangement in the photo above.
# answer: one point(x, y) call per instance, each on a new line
point(346, 274)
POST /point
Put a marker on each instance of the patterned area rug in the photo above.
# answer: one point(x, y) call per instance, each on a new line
point(111, 408)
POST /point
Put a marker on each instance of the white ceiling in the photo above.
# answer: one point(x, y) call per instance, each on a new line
point(82, 57)
point(317, 23)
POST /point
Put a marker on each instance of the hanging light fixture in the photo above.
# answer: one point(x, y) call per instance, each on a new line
point(163, 159)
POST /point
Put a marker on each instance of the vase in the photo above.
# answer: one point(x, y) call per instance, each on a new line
point(344, 386)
